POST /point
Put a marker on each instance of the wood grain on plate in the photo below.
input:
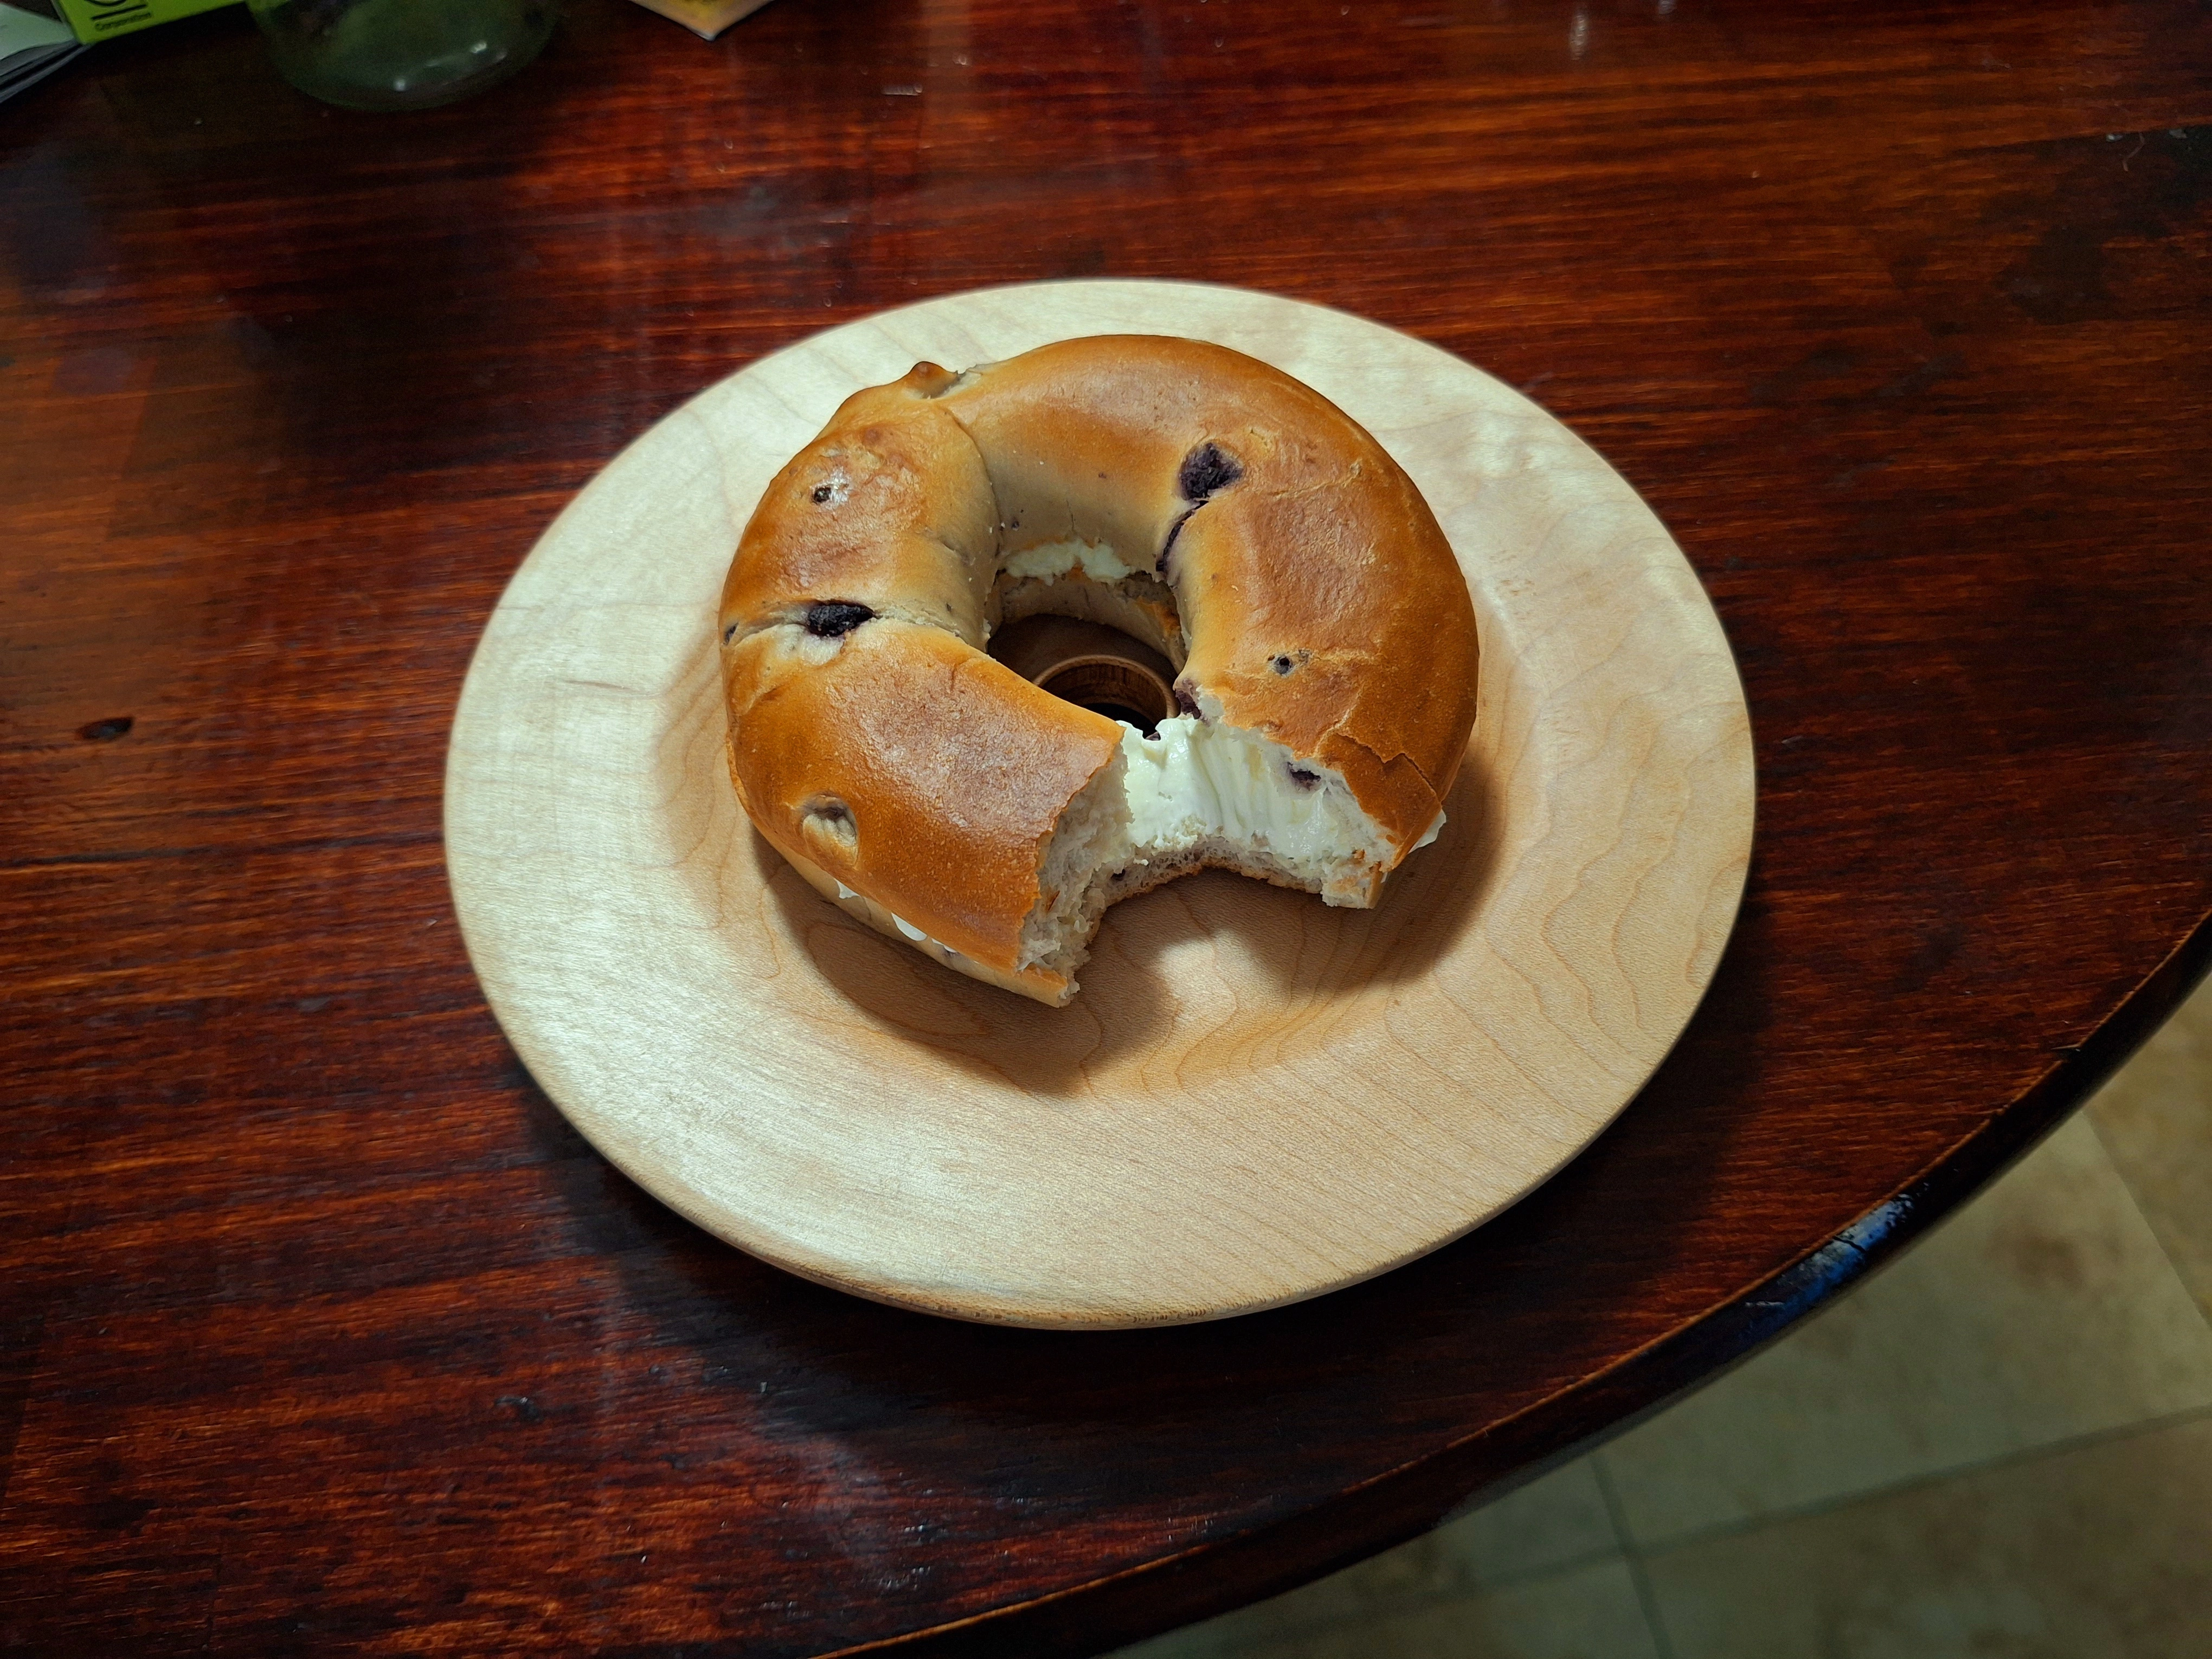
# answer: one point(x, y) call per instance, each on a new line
point(321, 1329)
point(1256, 1098)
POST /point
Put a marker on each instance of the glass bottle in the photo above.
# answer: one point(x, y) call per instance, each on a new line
point(401, 54)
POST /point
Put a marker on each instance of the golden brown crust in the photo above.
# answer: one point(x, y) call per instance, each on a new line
point(1320, 604)
point(1364, 660)
point(911, 767)
point(1040, 984)
point(888, 507)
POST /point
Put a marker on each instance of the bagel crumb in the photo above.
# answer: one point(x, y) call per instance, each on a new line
point(1199, 793)
point(828, 618)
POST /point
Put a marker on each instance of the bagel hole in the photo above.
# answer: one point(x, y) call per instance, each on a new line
point(1091, 665)
point(1118, 690)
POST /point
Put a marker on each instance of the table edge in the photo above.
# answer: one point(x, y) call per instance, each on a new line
point(1402, 1503)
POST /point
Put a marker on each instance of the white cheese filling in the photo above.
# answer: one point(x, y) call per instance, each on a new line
point(1050, 560)
point(1200, 792)
point(1199, 782)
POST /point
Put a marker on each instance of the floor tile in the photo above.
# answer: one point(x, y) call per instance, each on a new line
point(1589, 1612)
point(1207, 1641)
point(2100, 1552)
point(2043, 1310)
point(1410, 1575)
point(2155, 1120)
point(1547, 1524)
point(1583, 1613)
point(1556, 1522)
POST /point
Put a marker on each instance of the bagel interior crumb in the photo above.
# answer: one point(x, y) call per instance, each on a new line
point(1198, 794)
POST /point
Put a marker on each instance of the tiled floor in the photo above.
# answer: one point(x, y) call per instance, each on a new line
point(1999, 1448)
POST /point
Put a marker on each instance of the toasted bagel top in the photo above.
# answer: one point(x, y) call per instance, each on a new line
point(872, 737)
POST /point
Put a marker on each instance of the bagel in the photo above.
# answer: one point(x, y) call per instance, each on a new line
point(1210, 506)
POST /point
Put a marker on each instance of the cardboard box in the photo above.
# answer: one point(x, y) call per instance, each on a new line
point(103, 19)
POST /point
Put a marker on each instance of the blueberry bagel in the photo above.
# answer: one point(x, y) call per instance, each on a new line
point(1208, 505)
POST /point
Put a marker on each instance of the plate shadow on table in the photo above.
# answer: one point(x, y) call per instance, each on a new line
point(755, 1358)
point(1272, 957)
point(766, 1356)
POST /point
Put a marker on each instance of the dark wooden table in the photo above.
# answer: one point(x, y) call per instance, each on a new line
point(321, 1332)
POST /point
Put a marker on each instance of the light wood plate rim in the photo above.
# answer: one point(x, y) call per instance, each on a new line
point(1684, 804)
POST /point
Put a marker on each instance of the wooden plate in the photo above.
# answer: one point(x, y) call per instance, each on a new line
point(1256, 1098)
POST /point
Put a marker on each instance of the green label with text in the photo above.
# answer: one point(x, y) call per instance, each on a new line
point(103, 19)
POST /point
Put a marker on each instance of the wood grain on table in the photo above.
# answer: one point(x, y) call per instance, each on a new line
point(318, 1328)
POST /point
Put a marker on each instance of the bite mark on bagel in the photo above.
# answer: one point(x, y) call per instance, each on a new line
point(1197, 794)
point(1317, 626)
